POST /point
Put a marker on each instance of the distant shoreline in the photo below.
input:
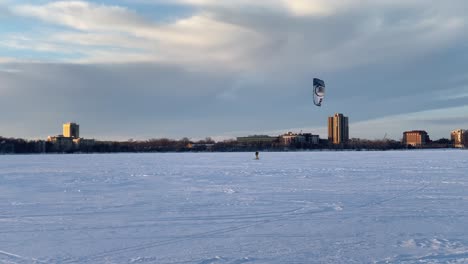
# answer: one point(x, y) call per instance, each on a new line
point(63, 145)
point(222, 152)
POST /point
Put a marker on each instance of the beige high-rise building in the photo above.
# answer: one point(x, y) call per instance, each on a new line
point(338, 129)
point(459, 138)
point(71, 130)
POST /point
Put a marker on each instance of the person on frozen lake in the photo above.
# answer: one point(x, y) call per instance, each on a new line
point(256, 155)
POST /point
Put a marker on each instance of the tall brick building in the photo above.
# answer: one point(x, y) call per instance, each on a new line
point(338, 129)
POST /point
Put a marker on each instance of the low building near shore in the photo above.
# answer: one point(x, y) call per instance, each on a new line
point(60, 143)
point(257, 139)
point(415, 138)
point(305, 138)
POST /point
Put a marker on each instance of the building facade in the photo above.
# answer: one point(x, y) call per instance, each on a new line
point(82, 142)
point(61, 143)
point(257, 139)
point(338, 129)
point(292, 138)
point(71, 130)
point(415, 138)
point(459, 138)
point(312, 139)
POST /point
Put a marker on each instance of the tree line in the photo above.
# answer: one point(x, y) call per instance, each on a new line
point(22, 146)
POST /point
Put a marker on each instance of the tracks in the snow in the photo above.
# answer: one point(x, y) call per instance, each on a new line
point(265, 219)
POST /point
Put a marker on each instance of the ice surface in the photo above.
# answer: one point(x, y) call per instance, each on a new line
point(297, 207)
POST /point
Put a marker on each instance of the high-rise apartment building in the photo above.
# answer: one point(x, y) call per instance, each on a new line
point(415, 138)
point(71, 130)
point(459, 138)
point(338, 129)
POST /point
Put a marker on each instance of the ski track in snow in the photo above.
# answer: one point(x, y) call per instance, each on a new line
point(286, 216)
point(13, 258)
point(310, 207)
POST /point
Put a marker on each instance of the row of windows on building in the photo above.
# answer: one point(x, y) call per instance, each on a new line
point(286, 139)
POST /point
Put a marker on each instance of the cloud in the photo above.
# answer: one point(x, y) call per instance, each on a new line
point(229, 35)
point(225, 65)
point(9, 70)
point(106, 31)
point(83, 15)
point(135, 100)
point(369, 35)
point(304, 7)
point(144, 100)
point(295, 8)
point(6, 60)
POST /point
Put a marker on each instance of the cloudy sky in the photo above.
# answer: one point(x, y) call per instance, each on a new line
point(173, 68)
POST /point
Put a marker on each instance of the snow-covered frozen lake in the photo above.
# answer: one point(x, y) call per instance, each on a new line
point(297, 207)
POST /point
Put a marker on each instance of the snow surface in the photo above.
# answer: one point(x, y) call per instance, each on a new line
point(297, 207)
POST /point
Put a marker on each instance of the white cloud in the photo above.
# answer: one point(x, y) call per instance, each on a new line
point(304, 7)
point(33, 44)
point(319, 7)
point(7, 60)
point(199, 38)
point(342, 34)
point(292, 7)
point(199, 30)
point(83, 15)
point(266, 52)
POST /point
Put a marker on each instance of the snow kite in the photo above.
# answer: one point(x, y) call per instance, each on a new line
point(319, 91)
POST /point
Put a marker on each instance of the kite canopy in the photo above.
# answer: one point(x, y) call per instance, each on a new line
point(319, 91)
